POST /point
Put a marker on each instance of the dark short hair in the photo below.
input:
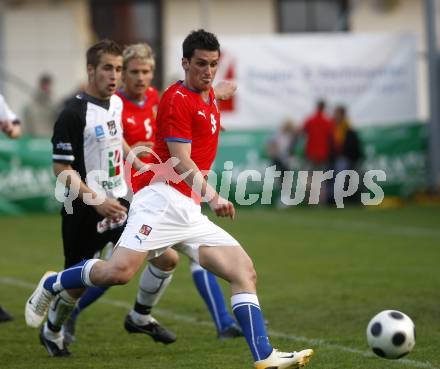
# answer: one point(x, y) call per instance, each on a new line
point(201, 40)
point(342, 109)
point(45, 78)
point(320, 104)
point(102, 47)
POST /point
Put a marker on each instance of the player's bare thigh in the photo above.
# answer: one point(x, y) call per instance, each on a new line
point(119, 269)
point(231, 263)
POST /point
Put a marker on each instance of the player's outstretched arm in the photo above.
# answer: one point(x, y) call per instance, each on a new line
point(195, 179)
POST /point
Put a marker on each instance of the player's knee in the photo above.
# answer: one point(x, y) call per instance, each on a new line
point(247, 274)
point(251, 273)
point(120, 274)
point(167, 261)
point(253, 276)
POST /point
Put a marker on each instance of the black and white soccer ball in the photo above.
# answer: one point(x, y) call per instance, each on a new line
point(391, 334)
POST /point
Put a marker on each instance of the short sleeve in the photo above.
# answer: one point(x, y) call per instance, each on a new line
point(178, 120)
point(66, 137)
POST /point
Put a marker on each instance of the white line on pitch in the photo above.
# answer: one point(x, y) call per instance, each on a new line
point(191, 320)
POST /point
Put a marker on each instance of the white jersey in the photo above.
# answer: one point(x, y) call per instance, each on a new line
point(88, 136)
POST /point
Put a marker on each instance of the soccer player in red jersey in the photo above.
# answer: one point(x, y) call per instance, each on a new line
point(140, 102)
point(167, 214)
point(139, 121)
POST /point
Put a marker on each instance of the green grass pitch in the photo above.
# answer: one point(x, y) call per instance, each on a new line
point(322, 274)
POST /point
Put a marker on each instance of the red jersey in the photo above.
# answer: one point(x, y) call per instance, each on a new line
point(183, 116)
point(139, 120)
point(320, 133)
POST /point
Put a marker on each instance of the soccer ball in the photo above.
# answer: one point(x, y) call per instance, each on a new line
point(391, 334)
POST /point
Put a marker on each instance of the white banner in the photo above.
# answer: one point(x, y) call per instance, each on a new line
point(282, 76)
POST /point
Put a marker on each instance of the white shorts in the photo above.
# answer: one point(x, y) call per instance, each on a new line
point(161, 217)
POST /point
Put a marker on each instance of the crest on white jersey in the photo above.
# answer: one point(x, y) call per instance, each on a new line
point(112, 127)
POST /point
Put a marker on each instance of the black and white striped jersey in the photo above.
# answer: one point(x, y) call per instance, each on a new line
point(88, 136)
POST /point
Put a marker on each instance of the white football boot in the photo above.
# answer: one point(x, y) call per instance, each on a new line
point(285, 360)
point(37, 305)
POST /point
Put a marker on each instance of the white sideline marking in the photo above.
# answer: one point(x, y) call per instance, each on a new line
point(191, 320)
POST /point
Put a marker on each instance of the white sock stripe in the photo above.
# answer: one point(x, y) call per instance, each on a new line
point(245, 304)
point(57, 285)
point(253, 336)
point(85, 273)
point(195, 267)
point(159, 273)
point(244, 297)
point(211, 298)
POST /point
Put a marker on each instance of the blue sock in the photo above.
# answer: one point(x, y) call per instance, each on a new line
point(89, 297)
point(70, 278)
point(247, 311)
point(212, 294)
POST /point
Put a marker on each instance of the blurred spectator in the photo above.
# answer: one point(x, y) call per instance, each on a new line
point(40, 113)
point(348, 148)
point(319, 131)
point(279, 146)
point(279, 150)
point(347, 144)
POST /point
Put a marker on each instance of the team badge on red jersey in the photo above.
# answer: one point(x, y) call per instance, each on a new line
point(145, 230)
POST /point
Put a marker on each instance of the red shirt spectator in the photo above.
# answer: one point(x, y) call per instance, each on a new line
point(319, 130)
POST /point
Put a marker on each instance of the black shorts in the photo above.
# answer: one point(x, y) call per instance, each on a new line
point(80, 237)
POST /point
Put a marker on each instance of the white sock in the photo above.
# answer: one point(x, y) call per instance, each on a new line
point(140, 319)
point(152, 285)
point(60, 309)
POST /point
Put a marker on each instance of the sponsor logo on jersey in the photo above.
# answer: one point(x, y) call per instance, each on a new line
point(180, 93)
point(114, 163)
point(99, 131)
point(202, 113)
point(65, 146)
point(145, 230)
point(112, 127)
point(112, 183)
point(131, 120)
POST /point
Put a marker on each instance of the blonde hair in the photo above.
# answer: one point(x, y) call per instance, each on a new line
point(138, 51)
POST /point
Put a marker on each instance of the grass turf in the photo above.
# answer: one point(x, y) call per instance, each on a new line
point(323, 273)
